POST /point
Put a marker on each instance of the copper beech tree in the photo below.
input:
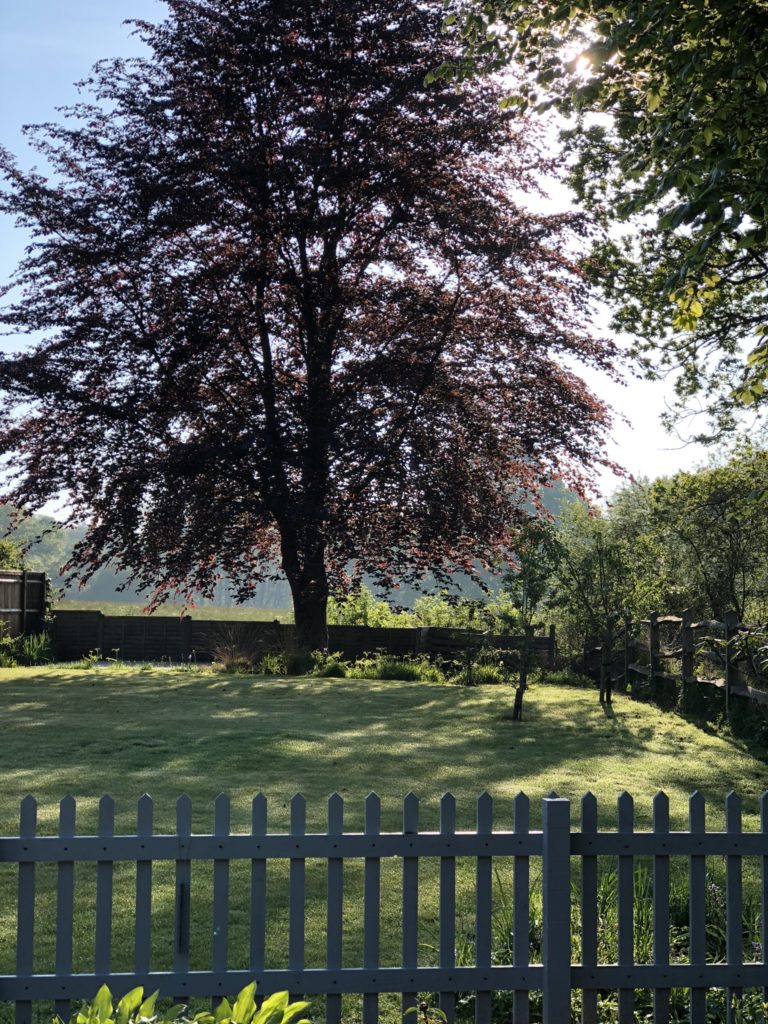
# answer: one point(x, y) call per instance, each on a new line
point(288, 311)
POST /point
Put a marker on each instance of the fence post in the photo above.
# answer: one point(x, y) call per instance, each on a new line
point(556, 915)
point(552, 649)
point(627, 648)
point(653, 650)
point(731, 629)
point(24, 602)
point(686, 643)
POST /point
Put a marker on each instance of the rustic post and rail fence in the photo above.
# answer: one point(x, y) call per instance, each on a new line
point(633, 657)
point(565, 858)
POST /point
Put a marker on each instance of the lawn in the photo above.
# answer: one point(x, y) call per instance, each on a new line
point(125, 732)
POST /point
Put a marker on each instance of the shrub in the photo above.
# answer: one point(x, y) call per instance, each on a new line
point(30, 649)
point(272, 665)
point(330, 664)
point(133, 1008)
point(298, 663)
point(387, 666)
point(481, 674)
point(565, 677)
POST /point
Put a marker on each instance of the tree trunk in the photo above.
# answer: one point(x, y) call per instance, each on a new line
point(522, 686)
point(606, 659)
point(310, 607)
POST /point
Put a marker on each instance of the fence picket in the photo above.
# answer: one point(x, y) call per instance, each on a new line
point(589, 908)
point(410, 898)
point(448, 903)
point(220, 923)
point(521, 937)
point(104, 877)
point(371, 907)
point(183, 885)
point(764, 890)
point(65, 898)
point(626, 897)
point(258, 886)
point(484, 906)
point(297, 888)
point(734, 946)
point(697, 925)
point(556, 911)
point(661, 907)
point(142, 948)
point(25, 919)
point(335, 907)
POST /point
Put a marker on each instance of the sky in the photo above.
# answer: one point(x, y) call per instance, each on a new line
point(47, 45)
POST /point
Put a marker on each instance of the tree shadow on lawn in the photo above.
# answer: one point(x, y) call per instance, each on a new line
point(126, 732)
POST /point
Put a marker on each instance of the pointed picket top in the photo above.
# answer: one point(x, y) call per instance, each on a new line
point(335, 814)
point(184, 815)
point(221, 814)
point(259, 815)
point(625, 806)
point(485, 813)
point(67, 811)
point(448, 813)
point(298, 814)
point(410, 813)
point(589, 812)
point(696, 811)
point(522, 813)
point(661, 812)
point(764, 811)
point(732, 812)
point(552, 795)
point(28, 815)
point(372, 814)
point(145, 809)
point(106, 816)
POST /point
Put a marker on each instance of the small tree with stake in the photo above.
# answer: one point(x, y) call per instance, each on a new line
point(293, 316)
point(528, 582)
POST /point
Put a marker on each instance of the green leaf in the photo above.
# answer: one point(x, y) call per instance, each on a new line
point(130, 1002)
point(147, 1008)
point(245, 1005)
point(761, 83)
point(223, 1011)
point(653, 99)
point(696, 308)
point(274, 1004)
point(102, 1004)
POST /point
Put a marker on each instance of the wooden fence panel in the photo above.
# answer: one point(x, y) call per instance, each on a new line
point(23, 597)
point(554, 848)
point(167, 638)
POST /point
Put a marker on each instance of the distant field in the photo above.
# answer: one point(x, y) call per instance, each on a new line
point(201, 611)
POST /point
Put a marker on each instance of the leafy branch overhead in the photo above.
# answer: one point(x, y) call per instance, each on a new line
point(668, 116)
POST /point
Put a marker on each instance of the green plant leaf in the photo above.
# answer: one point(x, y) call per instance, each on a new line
point(147, 1008)
point(130, 1002)
point(102, 1004)
point(245, 1005)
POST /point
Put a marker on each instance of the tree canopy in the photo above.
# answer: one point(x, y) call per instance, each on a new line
point(293, 313)
point(686, 142)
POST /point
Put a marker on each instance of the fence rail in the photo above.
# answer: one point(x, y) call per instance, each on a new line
point(561, 857)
